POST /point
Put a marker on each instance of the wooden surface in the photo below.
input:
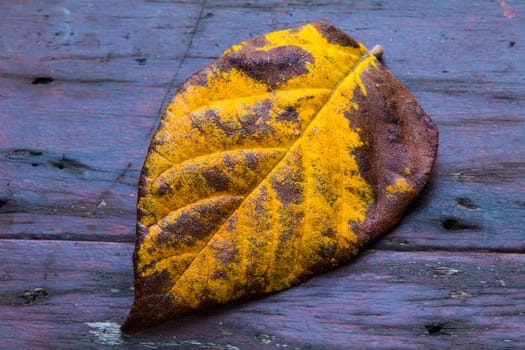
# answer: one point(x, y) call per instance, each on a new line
point(82, 87)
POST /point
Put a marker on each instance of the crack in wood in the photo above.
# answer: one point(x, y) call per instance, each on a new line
point(177, 70)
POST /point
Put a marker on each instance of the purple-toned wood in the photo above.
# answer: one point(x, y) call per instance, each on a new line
point(383, 299)
point(82, 87)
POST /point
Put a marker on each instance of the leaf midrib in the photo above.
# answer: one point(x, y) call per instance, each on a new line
point(350, 72)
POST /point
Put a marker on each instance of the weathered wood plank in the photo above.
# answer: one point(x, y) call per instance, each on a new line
point(404, 29)
point(474, 200)
point(409, 300)
point(467, 56)
point(125, 41)
point(72, 144)
point(92, 125)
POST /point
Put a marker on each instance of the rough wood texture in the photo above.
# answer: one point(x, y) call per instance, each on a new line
point(383, 299)
point(82, 86)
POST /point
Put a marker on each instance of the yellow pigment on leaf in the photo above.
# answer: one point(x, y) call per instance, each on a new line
point(281, 159)
point(400, 185)
point(277, 164)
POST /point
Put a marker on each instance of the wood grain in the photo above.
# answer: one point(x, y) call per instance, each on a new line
point(381, 299)
point(82, 87)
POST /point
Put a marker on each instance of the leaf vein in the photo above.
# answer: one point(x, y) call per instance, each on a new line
point(272, 93)
point(188, 206)
point(203, 156)
point(350, 72)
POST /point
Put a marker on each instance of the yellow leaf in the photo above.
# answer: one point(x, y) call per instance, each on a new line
point(281, 159)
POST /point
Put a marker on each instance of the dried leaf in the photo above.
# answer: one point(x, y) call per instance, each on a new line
point(281, 159)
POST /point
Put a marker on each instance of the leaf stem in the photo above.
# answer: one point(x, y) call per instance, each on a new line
point(377, 51)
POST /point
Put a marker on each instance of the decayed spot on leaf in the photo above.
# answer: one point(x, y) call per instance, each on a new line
point(281, 159)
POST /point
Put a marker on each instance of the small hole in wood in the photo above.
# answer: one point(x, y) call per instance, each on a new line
point(434, 328)
point(30, 296)
point(42, 80)
point(141, 61)
point(3, 201)
point(452, 224)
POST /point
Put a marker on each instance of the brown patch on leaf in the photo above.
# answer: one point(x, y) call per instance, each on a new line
point(218, 274)
point(273, 66)
point(163, 189)
point(251, 159)
point(400, 141)
point(257, 42)
point(225, 252)
point(335, 35)
point(289, 190)
point(217, 180)
point(151, 296)
point(213, 116)
point(187, 228)
point(328, 250)
point(289, 114)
